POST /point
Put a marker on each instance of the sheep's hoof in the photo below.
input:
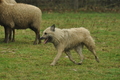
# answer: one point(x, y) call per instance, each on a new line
point(35, 43)
point(13, 40)
point(5, 41)
point(39, 42)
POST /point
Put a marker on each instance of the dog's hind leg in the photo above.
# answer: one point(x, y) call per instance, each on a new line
point(91, 47)
point(78, 49)
point(70, 57)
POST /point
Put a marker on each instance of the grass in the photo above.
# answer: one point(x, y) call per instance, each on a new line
point(20, 60)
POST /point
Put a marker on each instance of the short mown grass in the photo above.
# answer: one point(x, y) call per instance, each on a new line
point(21, 60)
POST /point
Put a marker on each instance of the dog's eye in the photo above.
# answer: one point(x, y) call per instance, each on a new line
point(45, 33)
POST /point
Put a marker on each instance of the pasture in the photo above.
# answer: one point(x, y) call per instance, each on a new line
point(21, 60)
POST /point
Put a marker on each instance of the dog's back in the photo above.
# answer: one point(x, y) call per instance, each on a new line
point(76, 33)
point(74, 36)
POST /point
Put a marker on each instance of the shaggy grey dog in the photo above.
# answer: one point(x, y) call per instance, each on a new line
point(66, 39)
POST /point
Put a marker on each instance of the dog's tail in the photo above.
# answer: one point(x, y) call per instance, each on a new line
point(90, 44)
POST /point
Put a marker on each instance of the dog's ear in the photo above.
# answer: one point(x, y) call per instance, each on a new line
point(52, 27)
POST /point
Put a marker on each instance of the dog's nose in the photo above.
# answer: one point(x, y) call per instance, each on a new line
point(41, 38)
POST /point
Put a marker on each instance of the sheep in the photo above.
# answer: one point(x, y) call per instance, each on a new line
point(11, 1)
point(20, 16)
point(12, 30)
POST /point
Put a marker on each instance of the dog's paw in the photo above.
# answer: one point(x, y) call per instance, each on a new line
point(79, 63)
point(52, 64)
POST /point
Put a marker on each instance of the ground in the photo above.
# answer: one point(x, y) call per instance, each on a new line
point(21, 60)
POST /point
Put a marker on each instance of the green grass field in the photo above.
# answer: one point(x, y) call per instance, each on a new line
point(21, 60)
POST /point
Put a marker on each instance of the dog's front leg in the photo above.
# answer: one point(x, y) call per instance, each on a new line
point(57, 57)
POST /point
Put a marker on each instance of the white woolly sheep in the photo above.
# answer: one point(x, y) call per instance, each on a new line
point(20, 16)
point(11, 1)
point(12, 30)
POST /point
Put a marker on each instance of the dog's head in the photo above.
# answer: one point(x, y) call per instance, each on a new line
point(48, 34)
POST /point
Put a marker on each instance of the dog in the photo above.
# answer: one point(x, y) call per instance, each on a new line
point(65, 40)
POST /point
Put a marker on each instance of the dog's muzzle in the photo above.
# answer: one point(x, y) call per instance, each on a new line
point(41, 38)
point(46, 40)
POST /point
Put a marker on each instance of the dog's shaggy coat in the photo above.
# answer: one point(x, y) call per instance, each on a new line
point(66, 39)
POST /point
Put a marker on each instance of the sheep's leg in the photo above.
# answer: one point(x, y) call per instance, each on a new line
point(37, 37)
point(7, 32)
point(37, 33)
point(10, 36)
point(13, 38)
